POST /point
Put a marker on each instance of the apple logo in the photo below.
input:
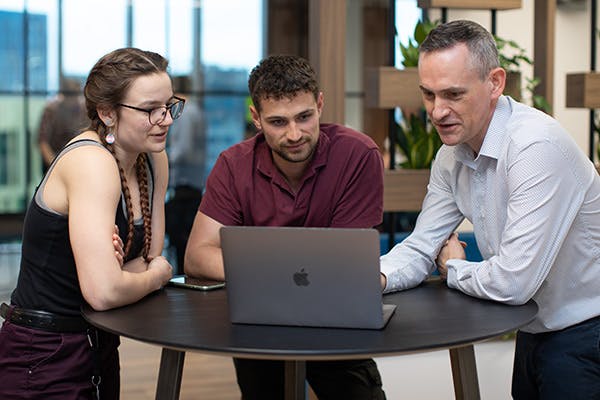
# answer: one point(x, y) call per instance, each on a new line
point(301, 278)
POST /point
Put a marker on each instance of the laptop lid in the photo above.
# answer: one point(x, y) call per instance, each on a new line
point(323, 277)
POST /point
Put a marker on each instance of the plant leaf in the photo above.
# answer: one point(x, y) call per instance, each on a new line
point(417, 141)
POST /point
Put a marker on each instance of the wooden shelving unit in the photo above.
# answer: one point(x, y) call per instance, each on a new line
point(471, 4)
point(583, 90)
point(404, 189)
point(390, 87)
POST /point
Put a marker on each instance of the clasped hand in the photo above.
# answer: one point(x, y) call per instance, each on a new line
point(452, 249)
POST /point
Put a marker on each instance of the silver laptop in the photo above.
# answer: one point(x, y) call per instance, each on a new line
point(322, 277)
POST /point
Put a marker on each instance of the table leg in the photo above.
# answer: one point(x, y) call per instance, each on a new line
point(464, 373)
point(295, 377)
point(169, 374)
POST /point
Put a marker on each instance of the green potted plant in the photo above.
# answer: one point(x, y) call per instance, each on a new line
point(410, 52)
point(418, 141)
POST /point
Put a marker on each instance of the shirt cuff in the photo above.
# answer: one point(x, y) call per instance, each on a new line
point(456, 272)
point(451, 277)
point(388, 285)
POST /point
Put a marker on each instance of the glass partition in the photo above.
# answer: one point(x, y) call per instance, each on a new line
point(46, 43)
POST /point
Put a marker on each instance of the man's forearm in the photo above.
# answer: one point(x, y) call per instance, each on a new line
point(204, 261)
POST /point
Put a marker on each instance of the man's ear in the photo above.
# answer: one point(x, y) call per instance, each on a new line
point(497, 80)
point(320, 103)
point(255, 117)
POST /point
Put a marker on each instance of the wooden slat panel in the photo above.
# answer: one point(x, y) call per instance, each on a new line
point(327, 54)
point(472, 4)
point(287, 27)
point(583, 90)
point(543, 47)
point(376, 42)
point(404, 189)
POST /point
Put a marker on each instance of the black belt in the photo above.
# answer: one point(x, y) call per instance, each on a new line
point(43, 320)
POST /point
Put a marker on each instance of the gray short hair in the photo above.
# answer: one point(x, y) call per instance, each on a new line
point(480, 42)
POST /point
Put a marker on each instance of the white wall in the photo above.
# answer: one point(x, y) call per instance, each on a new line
point(572, 54)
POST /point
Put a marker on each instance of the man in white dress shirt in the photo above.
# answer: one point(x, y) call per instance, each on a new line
point(533, 198)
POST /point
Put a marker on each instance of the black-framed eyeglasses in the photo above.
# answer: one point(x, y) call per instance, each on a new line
point(158, 114)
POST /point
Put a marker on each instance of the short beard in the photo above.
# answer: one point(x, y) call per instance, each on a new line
point(286, 157)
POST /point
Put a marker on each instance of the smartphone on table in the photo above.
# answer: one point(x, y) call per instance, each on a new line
point(195, 283)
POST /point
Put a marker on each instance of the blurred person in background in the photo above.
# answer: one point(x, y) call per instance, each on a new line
point(187, 154)
point(63, 118)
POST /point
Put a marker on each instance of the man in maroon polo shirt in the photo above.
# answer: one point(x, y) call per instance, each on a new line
point(294, 172)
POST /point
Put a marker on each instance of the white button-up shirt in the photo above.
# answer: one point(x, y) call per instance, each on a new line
point(533, 198)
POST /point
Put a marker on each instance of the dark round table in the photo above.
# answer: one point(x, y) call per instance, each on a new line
point(428, 317)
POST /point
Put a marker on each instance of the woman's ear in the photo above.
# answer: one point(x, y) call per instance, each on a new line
point(107, 116)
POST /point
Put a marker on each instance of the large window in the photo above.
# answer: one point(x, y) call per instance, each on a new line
point(214, 43)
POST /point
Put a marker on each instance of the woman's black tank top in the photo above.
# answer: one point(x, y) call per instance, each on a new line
point(48, 276)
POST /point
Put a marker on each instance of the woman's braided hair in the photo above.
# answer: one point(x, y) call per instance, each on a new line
point(106, 86)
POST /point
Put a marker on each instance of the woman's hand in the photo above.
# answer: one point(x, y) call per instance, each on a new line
point(163, 268)
point(118, 245)
point(452, 249)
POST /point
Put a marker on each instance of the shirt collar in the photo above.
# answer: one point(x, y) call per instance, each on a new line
point(492, 143)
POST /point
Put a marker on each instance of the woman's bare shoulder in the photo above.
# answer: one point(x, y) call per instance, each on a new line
point(88, 161)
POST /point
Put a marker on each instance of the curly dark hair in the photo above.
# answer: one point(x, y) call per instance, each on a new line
point(281, 76)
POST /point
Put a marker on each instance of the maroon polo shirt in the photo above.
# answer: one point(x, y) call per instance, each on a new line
point(342, 186)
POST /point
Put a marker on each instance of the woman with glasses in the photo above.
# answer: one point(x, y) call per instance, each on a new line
point(93, 234)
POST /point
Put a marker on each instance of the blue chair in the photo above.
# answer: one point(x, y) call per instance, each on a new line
point(472, 251)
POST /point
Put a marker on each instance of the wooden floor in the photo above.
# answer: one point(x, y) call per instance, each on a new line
point(204, 376)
